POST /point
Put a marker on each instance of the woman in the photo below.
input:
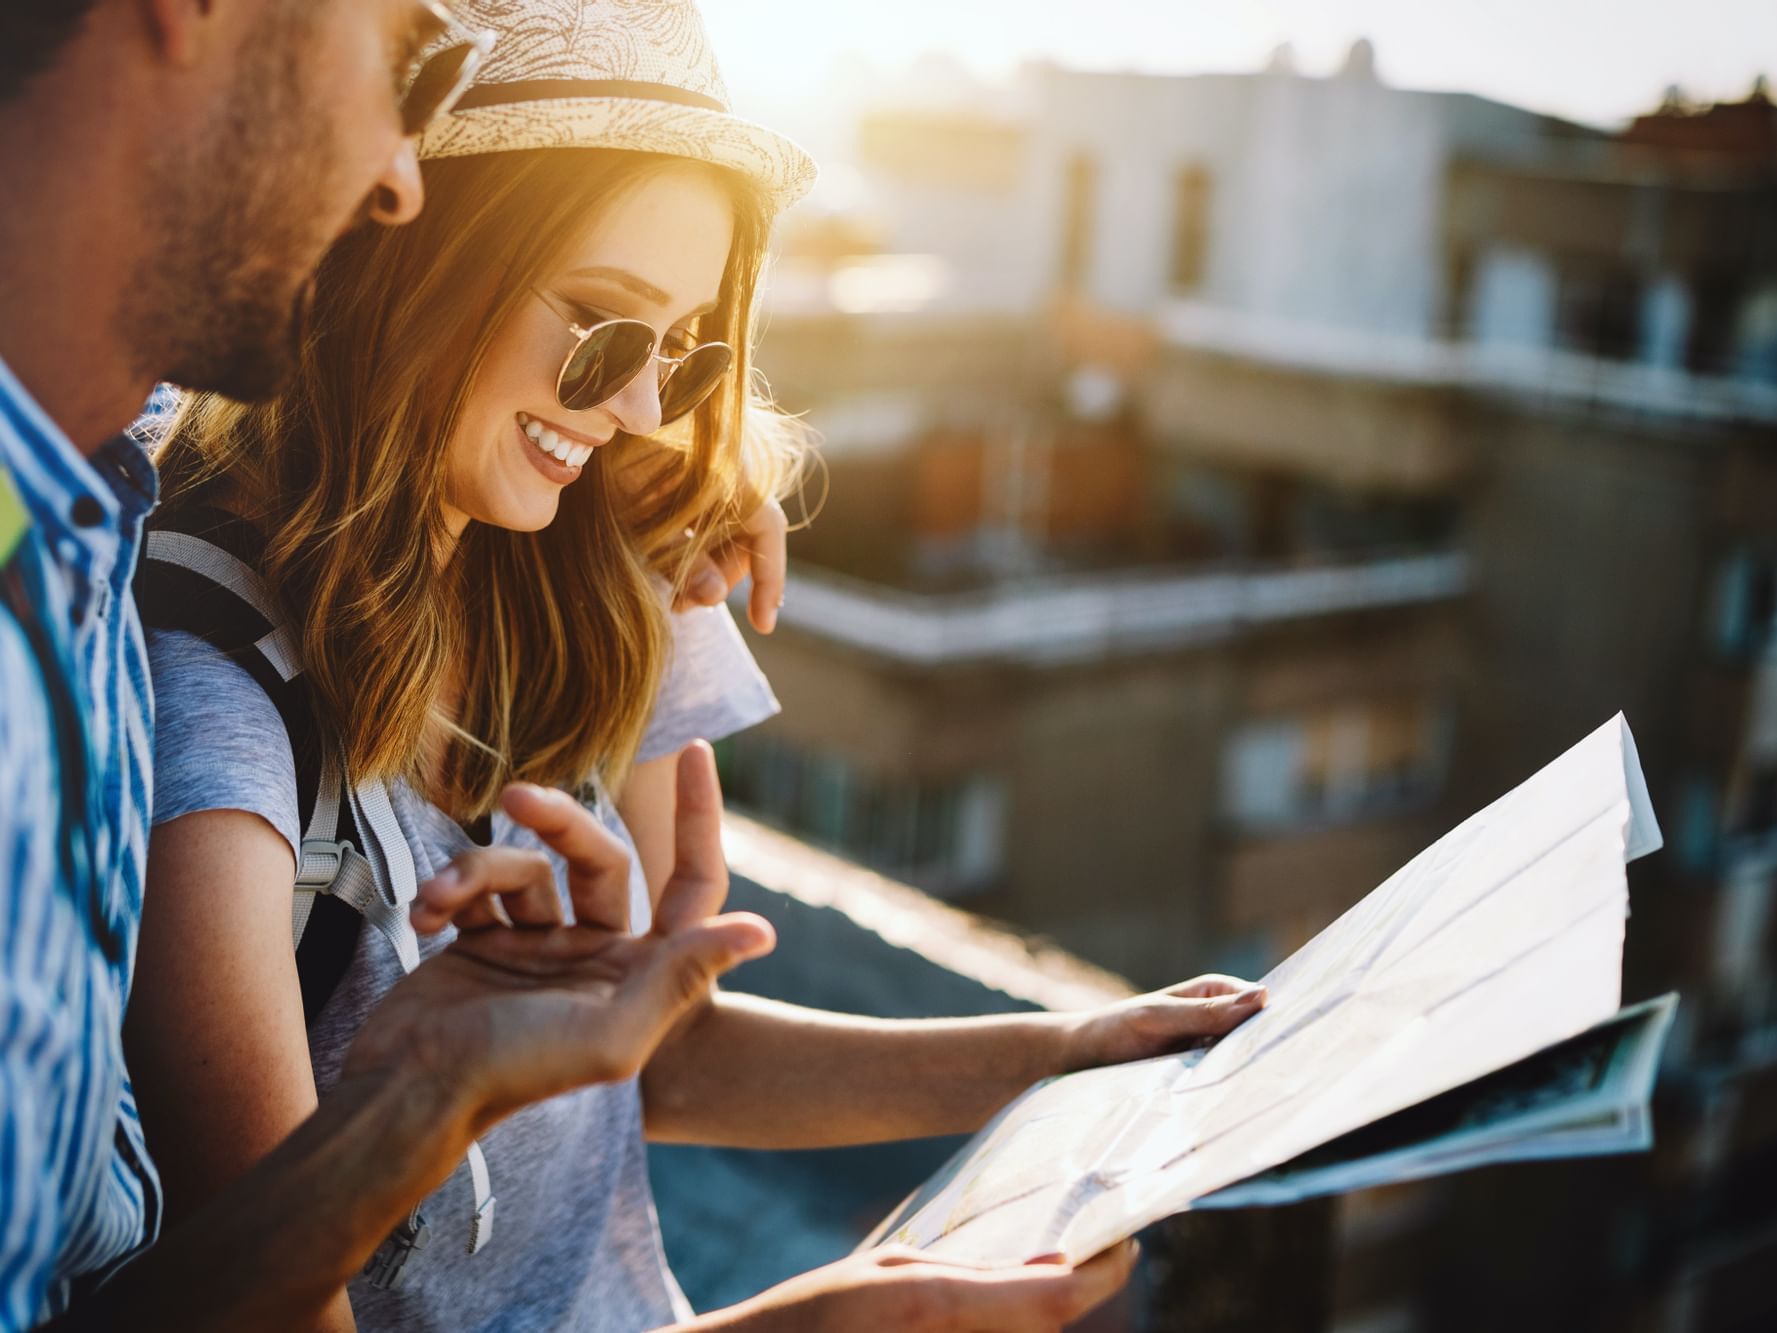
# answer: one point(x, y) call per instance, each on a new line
point(466, 504)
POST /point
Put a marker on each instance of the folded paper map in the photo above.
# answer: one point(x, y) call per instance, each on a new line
point(1465, 1012)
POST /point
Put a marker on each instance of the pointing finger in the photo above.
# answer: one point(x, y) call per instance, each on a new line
point(699, 882)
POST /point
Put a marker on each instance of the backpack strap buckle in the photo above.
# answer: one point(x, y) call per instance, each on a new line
point(321, 863)
point(323, 860)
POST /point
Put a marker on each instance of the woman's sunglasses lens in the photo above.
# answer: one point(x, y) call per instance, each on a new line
point(694, 380)
point(607, 359)
point(440, 80)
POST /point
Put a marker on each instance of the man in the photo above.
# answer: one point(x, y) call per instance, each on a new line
point(174, 170)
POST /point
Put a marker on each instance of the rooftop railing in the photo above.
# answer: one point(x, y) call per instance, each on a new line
point(1085, 617)
point(1543, 373)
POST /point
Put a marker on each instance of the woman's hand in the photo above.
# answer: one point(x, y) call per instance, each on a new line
point(514, 1014)
point(1160, 1022)
point(904, 1290)
point(758, 550)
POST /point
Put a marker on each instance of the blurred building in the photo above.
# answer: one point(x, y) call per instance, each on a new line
point(1234, 480)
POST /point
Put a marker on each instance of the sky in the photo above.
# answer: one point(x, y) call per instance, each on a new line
point(1598, 61)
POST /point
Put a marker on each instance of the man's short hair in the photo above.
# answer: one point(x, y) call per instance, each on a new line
point(31, 33)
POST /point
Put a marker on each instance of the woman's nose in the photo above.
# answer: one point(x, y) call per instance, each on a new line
point(637, 405)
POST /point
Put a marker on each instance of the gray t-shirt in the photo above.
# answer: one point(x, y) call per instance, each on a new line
point(576, 1244)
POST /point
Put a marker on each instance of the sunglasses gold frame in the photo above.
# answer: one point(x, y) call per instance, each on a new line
point(577, 401)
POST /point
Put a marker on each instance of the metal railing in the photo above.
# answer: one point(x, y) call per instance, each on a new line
point(1084, 617)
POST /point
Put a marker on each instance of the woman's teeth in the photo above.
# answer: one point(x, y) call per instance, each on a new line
point(563, 451)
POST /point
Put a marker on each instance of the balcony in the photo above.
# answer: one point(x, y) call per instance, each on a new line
point(1545, 376)
point(1092, 617)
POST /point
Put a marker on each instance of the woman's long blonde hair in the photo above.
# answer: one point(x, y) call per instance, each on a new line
point(559, 636)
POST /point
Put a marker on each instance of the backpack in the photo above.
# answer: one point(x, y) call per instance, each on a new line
point(200, 574)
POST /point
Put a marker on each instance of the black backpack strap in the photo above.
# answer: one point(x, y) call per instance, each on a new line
point(200, 574)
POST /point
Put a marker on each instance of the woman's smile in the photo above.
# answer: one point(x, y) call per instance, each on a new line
point(556, 453)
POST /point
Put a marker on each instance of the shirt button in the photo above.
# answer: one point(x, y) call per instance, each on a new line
point(87, 512)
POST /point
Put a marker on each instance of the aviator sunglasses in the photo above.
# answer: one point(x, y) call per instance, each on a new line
point(608, 355)
point(433, 82)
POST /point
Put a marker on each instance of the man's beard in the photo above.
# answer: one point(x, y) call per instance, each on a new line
point(237, 231)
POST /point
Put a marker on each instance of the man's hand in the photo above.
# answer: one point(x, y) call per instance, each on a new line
point(515, 1015)
point(1159, 1022)
point(759, 549)
point(909, 1292)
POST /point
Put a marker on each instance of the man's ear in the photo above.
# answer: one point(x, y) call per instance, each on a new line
point(182, 31)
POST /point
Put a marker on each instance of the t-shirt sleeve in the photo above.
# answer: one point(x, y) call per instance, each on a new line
point(219, 743)
point(713, 687)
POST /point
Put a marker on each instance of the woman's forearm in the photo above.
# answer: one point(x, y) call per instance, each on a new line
point(759, 1074)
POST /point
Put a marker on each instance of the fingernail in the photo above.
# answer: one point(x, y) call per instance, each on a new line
point(448, 878)
point(1250, 994)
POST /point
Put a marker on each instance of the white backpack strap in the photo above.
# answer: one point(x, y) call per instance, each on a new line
point(481, 1226)
point(393, 883)
point(356, 877)
point(223, 567)
point(323, 859)
point(214, 563)
point(382, 899)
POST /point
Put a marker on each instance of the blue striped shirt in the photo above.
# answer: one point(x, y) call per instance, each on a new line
point(77, 1193)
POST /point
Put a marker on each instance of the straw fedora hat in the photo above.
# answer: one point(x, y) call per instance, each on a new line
point(634, 74)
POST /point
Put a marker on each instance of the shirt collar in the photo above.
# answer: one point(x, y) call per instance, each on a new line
point(82, 507)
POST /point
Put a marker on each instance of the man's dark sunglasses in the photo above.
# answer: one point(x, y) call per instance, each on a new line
point(442, 76)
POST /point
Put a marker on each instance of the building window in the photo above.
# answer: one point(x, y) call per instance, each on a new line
point(1716, 299)
point(1752, 802)
point(947, 835)
point(1079, 189)
point(1697, 830)
point(1746, 606)
point(1460, 278)
point(1336, 763)
point(1598, 311)
point(1190, 228)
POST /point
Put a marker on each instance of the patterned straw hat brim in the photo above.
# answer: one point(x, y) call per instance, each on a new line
point(626, 74)
point(782, 170)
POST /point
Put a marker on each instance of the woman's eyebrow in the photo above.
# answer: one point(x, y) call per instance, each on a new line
point(637, 285)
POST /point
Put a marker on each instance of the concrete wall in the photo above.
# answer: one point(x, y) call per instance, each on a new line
point(1325, 195)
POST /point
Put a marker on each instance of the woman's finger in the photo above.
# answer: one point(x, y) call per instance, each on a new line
point(598, 863)
point(1209, 1017)
point(1036, 1295)
point(1208, 985)
point(481, 886)
point(706, 585)
point(766, 538)
point(699, 882)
